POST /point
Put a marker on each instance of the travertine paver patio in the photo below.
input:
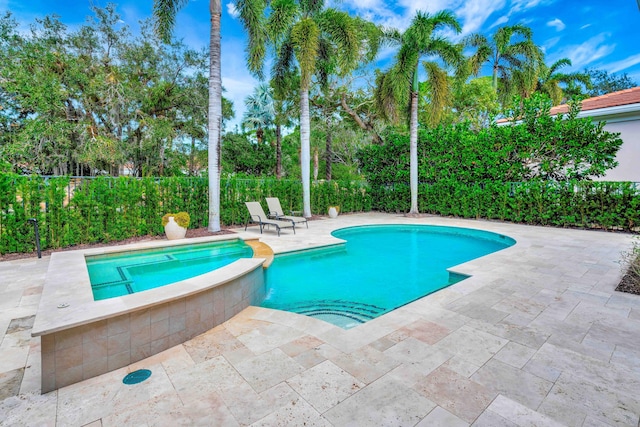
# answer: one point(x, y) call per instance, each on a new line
point(536, 337)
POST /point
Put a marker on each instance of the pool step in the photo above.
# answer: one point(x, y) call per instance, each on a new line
point(261, 250)
point(353, 310)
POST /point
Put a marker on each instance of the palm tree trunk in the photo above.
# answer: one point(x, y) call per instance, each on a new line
point(329, 152)
point(413, 152)
point(192, 156)
point(215, 116)
point(278, 152)
point(305, 152)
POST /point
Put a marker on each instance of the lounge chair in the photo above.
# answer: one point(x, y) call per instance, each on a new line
point(256, 214)
point(275, 211)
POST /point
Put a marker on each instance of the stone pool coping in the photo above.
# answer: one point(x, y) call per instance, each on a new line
point(67, 283)
point(82, 338)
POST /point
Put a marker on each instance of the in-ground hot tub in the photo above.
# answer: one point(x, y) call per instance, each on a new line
point(82, 338)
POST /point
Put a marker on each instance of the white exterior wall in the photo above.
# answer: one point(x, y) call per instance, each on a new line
point(628, 157)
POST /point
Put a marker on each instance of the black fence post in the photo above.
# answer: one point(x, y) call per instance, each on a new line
point(34, 221)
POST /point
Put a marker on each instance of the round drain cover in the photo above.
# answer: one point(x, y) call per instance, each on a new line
point(136, 377)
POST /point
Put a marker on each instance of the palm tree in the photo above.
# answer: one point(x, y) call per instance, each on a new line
point(504, 54)
point(260, 112)
point(549, 79)
point(164, 12)
point(400, 83)
point(307, 36)
point(285, 110)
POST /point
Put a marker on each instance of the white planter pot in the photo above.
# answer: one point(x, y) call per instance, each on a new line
point(333, 212)
point(173, 230)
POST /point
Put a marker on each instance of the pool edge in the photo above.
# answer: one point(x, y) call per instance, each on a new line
point(87, 338)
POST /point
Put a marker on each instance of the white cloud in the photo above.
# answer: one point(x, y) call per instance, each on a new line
point(587, 52)
point(522, 5)
point(623, 64)
point(550, 43)
point(473, 14)
point(585, 26)
point(231, 10)
point(557, 24)
point(502, 20)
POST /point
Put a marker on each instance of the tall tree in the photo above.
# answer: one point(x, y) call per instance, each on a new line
point(604, 82)
point(164, 12)
point(511, 47)
point(285, 90)
point(260, 111)
point(307, 36)
point(549, 80)
point(400, 83)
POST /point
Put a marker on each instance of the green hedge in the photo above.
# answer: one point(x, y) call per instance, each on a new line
point(107, 209)
point(589, 204)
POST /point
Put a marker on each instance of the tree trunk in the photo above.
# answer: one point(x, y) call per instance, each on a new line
point(278, 152)
point(413, 152)
point(315, 164)
point(377, 139)
point(161, 154)
point(192, 157)
point(329, 152)
point(215, 116)
point(305, 154)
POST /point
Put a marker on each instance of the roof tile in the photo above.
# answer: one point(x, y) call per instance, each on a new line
point(613, 99)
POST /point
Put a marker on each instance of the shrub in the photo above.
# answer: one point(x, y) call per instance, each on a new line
point(105, 209)
point(181, 218)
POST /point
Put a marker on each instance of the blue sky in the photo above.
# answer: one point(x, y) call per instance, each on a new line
point(592, 33)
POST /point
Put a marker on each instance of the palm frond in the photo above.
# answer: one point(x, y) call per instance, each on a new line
point(343, 32)
point(164, 17)
point(311, 7)
point(372, 36)
point(438, 81)
point(283, 67)
point(283, 15)
point(385, 97)
point(451, 54)
point(564, 62)
point(304, 39)
point(253, 19)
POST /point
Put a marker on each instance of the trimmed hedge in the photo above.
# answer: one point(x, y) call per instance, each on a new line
point(588, 204)
point(107, 209)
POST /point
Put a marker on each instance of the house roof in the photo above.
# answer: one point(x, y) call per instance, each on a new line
point(615, 106)
point(613, 99)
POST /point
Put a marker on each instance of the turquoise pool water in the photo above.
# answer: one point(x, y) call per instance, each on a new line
point(379, 269)
point(124, 273)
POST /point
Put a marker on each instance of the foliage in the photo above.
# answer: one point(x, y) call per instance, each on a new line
point(541, 147)
point(588, 204)
point(103, 209)
point(602, 82)
point(260, 110)
point(510, 48)
point(549, 80)
point(474, 101)
point(399, 86)
point(239, 155)
point(86, 101)
point(312, 40)
point(181, 218)
point(631, 260)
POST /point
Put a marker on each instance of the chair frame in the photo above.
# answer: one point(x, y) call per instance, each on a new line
point(257, 215)
point(276, 212)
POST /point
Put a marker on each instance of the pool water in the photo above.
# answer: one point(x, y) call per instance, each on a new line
point(125, 273)
point(378, 269)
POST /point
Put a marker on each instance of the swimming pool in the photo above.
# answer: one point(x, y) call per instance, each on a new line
point(124, 273)
point(378, 269)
